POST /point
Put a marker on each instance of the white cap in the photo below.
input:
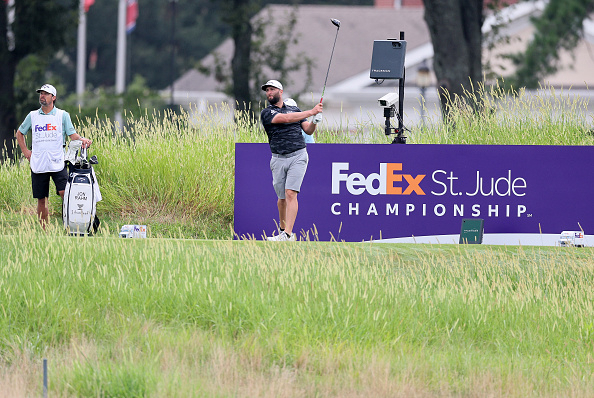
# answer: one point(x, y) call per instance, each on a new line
point(272, 83)
point(48, 88)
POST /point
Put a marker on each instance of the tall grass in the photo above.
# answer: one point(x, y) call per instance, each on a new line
point(140, 316)
point(186, 318)
point(545, 117)
point(176, 171)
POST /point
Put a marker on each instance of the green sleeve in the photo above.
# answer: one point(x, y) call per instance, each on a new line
point(67, 125)
point(26, 125)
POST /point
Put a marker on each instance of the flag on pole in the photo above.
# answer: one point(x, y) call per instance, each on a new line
point(93, 59)
point(88, 4)
point(131, 15)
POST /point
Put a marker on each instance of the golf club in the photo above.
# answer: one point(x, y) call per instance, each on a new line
point(336, 23)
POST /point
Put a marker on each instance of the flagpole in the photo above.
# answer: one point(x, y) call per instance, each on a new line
point(173, 48)
point(81, 52)
point(121, 56)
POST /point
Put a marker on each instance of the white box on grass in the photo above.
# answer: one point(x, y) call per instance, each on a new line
point(572, 238)
point(133, 231)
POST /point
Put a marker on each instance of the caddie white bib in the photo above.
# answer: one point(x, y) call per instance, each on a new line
point(48, 140)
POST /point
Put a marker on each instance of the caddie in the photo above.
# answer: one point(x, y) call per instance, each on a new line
point(49, 127)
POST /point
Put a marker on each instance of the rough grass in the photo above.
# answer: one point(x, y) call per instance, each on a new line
point(176, 171)
point(170, 317)
point(222, 318)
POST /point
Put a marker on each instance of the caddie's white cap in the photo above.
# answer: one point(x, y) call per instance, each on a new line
point(290, 102)
point(48, 88)
point(272, 83)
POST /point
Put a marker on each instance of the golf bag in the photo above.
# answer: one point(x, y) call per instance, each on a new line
point(81, 196)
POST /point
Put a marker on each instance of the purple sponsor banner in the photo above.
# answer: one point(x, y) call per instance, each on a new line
point(356, 192)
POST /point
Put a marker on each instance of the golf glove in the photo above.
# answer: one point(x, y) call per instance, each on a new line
point(316, 118)
point(72, 151)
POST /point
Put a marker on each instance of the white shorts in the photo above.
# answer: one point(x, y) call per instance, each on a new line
point(288, 171)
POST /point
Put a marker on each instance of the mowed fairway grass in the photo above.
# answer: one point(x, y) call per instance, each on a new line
point(178, 316)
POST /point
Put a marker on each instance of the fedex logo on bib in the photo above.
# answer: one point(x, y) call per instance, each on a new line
point(46, 127)
point(389, 180)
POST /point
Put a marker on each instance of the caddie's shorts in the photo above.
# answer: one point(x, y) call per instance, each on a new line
point(40, 183)
point(288, 171)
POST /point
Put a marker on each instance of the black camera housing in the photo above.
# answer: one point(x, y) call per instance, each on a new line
point(387, 59)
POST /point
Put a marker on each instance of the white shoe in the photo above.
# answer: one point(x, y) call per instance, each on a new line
point(282, 237)
point(277, 238)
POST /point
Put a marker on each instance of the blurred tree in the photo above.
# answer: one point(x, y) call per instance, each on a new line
point(275, 54)
point(30, 75)
point(455, 29)
point(559, 27)
point(38, 27)
point(238, 15)
point(48, 51)
point(278, 55)
point(102, 102)
point(199, 29)
point(201, 25)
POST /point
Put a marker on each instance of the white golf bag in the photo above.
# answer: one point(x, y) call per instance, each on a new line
point(81, 195)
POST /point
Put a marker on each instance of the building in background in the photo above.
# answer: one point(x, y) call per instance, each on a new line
point(350, 98)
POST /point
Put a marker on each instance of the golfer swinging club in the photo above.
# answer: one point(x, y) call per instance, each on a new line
point(283, 124)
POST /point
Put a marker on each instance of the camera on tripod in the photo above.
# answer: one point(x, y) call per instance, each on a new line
point(387, 62)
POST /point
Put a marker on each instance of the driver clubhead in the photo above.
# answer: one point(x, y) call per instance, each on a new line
point(94, 160)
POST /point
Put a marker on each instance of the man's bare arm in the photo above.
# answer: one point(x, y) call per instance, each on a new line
point(23, 145)
point(308, 127)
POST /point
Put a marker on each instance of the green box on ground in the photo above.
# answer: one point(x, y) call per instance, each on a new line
point(472, 231)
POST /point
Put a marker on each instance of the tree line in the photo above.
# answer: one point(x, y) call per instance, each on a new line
point(40, 45)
